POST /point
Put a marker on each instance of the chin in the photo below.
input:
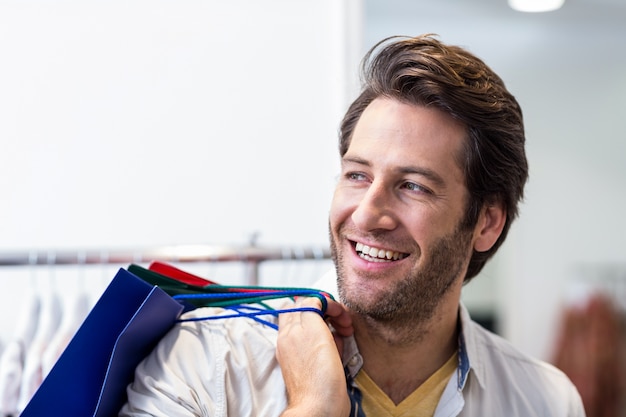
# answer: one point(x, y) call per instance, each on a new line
point(353, 286)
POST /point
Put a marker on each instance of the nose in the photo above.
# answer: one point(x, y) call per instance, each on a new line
point(374, 210)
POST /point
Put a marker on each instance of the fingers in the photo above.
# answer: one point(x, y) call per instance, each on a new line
point(310, 359)
point(296, 317)
point(339, 318)
point(336, 315)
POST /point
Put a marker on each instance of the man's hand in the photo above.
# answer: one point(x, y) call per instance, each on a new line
point(309, 357)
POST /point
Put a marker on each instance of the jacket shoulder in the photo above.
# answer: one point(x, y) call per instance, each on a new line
point(514, 382)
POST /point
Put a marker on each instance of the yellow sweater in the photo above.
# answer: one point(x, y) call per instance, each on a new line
point(421, 403)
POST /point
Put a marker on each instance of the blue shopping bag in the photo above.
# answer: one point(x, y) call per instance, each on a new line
point(91, 375)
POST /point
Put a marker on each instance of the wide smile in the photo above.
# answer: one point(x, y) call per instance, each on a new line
point(374, 254)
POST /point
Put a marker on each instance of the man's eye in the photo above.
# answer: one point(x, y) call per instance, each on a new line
point(411, 186)
point(355, 176)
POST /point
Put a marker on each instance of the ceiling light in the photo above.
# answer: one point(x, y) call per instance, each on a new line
point(536, 5)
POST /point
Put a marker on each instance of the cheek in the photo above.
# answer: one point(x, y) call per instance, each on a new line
point(338, 210)
point(345, 202)
point(424, 226)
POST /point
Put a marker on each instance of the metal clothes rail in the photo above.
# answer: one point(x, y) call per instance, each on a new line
point(250, 255)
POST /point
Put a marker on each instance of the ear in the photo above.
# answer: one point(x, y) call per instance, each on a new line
point(489, 226)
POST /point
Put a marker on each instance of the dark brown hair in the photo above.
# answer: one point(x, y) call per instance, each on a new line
point(424, 71)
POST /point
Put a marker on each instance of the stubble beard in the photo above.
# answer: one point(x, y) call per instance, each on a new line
point(407, 305)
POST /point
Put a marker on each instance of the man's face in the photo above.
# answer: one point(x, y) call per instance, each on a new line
point(396, 211)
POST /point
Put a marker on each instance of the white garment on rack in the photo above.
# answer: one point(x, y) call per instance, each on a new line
point(47, 324)
point(12, 366)
point(75, 309)
point(13, 357)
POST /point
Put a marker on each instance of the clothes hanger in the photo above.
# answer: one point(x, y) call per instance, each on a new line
point(47, 323)
point(14, 354)
point(74, 308)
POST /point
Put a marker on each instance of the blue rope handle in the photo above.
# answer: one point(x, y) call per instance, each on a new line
point(255, 313)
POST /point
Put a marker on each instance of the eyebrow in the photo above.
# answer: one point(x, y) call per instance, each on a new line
point(410, 169)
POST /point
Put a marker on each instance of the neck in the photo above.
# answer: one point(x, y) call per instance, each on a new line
point(400, 358)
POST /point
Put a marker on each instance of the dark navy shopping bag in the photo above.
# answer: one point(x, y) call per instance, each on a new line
point(91, 375)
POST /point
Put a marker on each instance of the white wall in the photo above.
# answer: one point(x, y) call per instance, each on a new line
point(159, 121)
point(155, 122)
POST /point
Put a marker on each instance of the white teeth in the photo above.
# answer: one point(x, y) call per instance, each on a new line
point(372, 254)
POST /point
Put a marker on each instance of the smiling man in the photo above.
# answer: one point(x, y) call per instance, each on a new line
point(433, 167)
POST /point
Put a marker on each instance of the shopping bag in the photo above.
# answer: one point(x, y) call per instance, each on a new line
point(91, 375)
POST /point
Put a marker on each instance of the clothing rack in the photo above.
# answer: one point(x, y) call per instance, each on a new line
point(608, 279)
point(251, 255)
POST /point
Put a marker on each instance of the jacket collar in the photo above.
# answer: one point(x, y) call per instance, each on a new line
point(469, 355)
point(469, 349)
